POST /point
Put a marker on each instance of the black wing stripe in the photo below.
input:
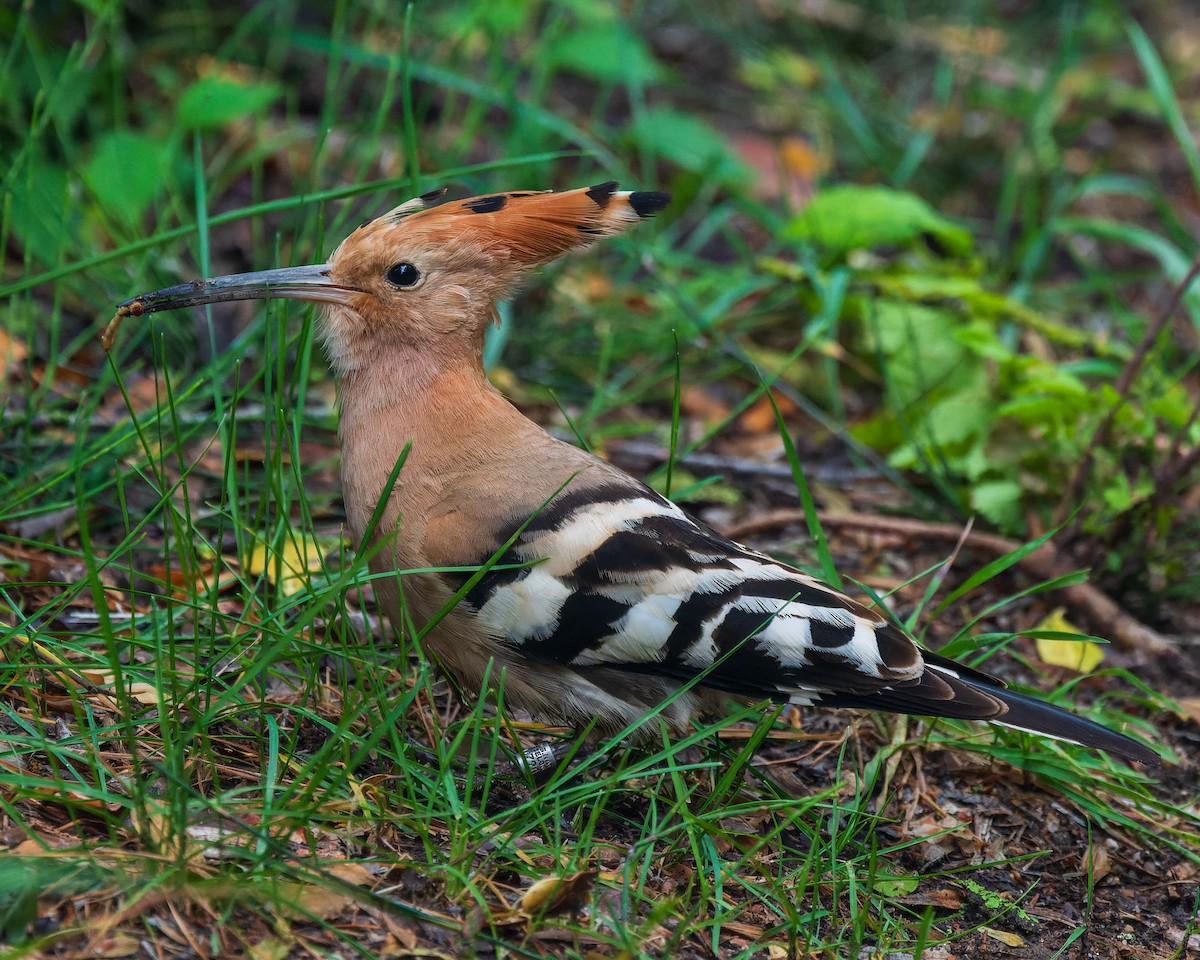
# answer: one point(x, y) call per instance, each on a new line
point(583, 622)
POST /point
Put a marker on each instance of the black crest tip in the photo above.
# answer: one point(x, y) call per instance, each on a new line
point(646, 203)
point(486, 204)
point(601, 193)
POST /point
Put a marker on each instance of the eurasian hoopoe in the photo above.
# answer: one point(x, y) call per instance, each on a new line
point(609, 598)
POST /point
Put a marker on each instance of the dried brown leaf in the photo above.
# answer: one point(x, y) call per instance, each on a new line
point(1097, 862)
point(119, 944)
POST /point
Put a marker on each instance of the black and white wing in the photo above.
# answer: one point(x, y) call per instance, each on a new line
point(620, 578)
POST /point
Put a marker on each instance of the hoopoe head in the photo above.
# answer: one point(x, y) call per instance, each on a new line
point(425, 276)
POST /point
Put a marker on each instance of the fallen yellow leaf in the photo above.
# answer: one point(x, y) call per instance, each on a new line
point(1006, 938)
point(145, 693)
point(288, 566)
point(1080, 655)
point(558, 894)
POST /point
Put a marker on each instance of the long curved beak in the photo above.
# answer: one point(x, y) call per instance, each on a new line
point(310, 282)
point(292, 283)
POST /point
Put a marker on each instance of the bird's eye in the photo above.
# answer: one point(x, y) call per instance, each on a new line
point(403, 275)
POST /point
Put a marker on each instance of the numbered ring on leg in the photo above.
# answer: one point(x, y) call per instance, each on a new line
point(537, 760)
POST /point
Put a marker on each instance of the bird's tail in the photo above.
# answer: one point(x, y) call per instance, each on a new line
point(1037, 716)
point(948, 689)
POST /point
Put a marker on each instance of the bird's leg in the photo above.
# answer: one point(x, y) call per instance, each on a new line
point(535, 763)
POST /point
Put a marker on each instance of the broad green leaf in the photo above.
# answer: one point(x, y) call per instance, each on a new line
point(1173, 404)
point(690, 143)
point(895, 884)
point(1044, 377)
point(125, 172)
point(1117, 492)
point(852, 217)
point(1031, 409)
point(999, 501)
point(608, 52)
point(959, 417)
point(980, 337)
point(921, 352)
point(495, 18)
point(214, 101)
point(42, 213)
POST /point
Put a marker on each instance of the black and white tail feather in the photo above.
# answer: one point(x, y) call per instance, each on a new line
point(618, 581)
